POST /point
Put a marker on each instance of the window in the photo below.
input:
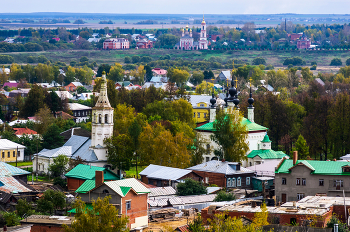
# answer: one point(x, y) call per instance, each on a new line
point(128, 205)
point(284, 181)
point(105, 191)
point(3, 154)
point(247, 181)
point(198, 115)
point(300, 196)
point(233, 183)
point(239, 181)
point(338, 183)
point(205, 115)
point(99, 118)
point(208, 147)
point(207, 159)
point(8, 154)
point(321, 182)
point(194, 115)
point(303, 182)
point(201, 105)
point(228, 182)
point(297, 181)
point(106, 118)
point(207, 180)
point(14, 154)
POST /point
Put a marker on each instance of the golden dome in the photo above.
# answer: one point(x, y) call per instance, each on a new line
point(203, 19)
point(187, 28)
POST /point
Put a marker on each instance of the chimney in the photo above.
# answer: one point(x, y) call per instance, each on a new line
point(99, 178)
point(295, 157)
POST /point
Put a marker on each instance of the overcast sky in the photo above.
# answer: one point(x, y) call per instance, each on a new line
point(179, 6)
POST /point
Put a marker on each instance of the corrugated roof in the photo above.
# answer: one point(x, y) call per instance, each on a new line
point(267, 154)
point(228, 168)
point(162, 191)
point(77, 106)
point(85, 152)
point(251, 126)
point(11, 185)
point(87, 172)
point(86, 186)
point(9, 170)
point(316, 167)
point(6, 144)
point(164, 173)
point(130, 182)
point(180, 200)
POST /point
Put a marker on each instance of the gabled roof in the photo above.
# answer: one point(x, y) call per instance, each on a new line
point(9, 170)
point(267, 154)
point(223, 167)
point(162, 191)
point(251, 126)
point(9, 184)
point(164, 173)
point(6, 144)
point(77, 84)
point(22, 131)
point(77, 106)
point(87, 172)
point(122, 187)
point(316, 167)
point(86, 186)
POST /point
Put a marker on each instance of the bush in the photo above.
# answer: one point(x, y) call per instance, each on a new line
point(146, 59)
point(259, 60)
point(347, 62)
point(342, 227)
point(127, 60)
point(129, 67)
point(191, 187)
point(294, 61)
point(224, 196)
point(11, 218)
point(313, 63)
point(31, 59)
point(336, 62)
point(60, 181)
point(6, 59)
point(269, 67)
point(290, 66)
point(135, 59)
point(42, 59)
point(313, 67)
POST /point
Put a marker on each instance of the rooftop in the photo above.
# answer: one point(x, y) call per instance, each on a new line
point(162, 172)
point(267, 154)
point(251, 126)
point(77, 106)
point(48, 220)
point(224, 167)
point(6, 144)
point(22, 131)
point(87, 172)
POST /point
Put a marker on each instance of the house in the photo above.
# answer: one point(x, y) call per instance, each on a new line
point(201, 106)
point(162, 176)
point(159, 72)
point(94, 40)
point(128, 195)
point(11, 84)
point(144, 43)
point(13, 179)
point(224, 174)
point(296, 179)
point(7, 201)
point(116, 44)
point(71, 87)
point(125, 84)
point(47, 223)
point(82, 173)
point(303, 43)
point(19, 92)
point(19, 132)
point(65, 116)
point(11, 151)
point(256, 132)
point(81, 112)
point(295, 36)
point(266, 169)
point(64, 95)
point(225, 76)
point(263, 154)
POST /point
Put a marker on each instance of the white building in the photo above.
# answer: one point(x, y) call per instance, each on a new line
point(81, 112)
point(11, 151)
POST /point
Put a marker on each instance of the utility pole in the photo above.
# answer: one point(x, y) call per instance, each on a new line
point(16, 156)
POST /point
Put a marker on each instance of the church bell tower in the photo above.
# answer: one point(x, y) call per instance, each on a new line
point(102, 121)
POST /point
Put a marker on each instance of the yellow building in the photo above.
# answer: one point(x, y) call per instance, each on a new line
point(201, 112)
point(10, 151)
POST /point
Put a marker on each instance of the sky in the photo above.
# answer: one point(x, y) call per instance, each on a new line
point(179, 6)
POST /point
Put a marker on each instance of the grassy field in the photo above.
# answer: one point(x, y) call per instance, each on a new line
point(132, 171)
point(276, 58)
point(20, 164)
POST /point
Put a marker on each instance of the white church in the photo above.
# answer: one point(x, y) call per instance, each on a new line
point(92, 150)
point(256, 132)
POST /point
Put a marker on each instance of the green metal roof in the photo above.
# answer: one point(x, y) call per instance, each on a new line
point(124, 189)
point(86, 186)
point(252, 126)
point(317, 167)
point(87, 206)
point(267, 154)
point(87, 172)
point(266, 139)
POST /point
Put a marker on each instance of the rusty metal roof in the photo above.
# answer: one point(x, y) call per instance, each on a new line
point(162, 191)
point(10, 185)
point(179, 200)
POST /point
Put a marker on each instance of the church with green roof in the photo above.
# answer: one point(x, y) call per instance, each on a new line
point(256, 132)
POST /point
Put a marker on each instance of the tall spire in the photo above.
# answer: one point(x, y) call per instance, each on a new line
point(103, 101)
point(251, 107)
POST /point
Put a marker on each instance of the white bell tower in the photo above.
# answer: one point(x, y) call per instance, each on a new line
point(203, 42)
point(102, 121)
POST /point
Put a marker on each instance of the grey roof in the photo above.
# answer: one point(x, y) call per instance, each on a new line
point(164, 173)
point(180, 200)
point(227, 74)
point(319, 81)
point(76, 142)
point(162, 191)
point(85, 152)
point(77, 106)
point(199, 98)
point(6, 144)
point(227, 168)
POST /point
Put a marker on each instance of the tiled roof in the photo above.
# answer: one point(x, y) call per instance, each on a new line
point(6, 144)
point(162, 172)
point(316, 167)
point(251, 126)
point(21, 131)
point(228, 168)
point(87, 172)
point(267, 154)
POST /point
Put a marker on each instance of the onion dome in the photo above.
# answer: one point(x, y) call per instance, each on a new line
point(251, 99)
point(212, 101)
point(232, 91)
point(236, 101)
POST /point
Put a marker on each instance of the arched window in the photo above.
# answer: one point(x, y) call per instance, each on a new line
point(239, 180)
point(208, 147)
point(99, 118)
point(228, 182)
point(233, 182)
point(106, 118)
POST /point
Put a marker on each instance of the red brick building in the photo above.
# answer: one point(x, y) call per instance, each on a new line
point(295, 36)
point(71, 87)
point(144, 43)
point(116, 44)
point(304, 43)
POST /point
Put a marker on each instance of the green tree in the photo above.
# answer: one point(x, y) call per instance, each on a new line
point(120, 151)
point(24, 208)
point(197, 78)
point(258, 61)
point(102, 217)
point(116, 73)
point(230, 134)
point(11, 218)
point(44, 119)
point(81, 89)
point(224, 196)
point(33, 102)
point(302, 148)
point(177, 76)
point(336, 62)
point(59, 166)
point(51, 201)
point(44, 73)
point(204, 88)
point(342, 227)
point(52, 138)
point(190, 187)
point(127, 60)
